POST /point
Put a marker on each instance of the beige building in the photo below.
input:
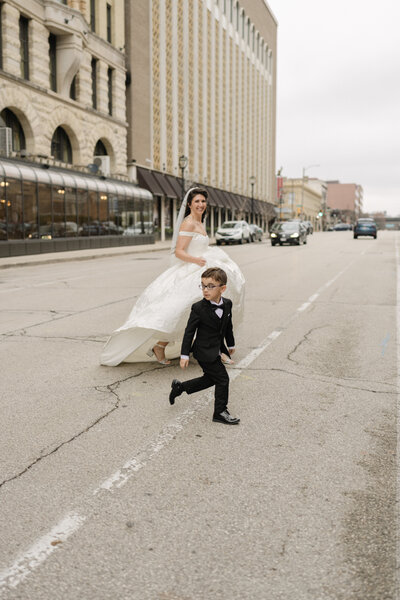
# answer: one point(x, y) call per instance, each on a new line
point(345, 201)
point(302, 198)
point(202, 87)
point(63, 113)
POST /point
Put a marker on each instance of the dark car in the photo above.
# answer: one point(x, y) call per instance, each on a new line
point(256, 233)
point(291, 232)
point(365, 227)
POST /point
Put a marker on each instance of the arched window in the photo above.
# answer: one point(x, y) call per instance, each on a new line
point(243, 23)
point(100, 149)
point(61, 147)
point(248, 31)
point(9, 119)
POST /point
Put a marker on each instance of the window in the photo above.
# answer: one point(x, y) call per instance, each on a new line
point(100, 149)
point(9, 119)
point(237, 15)
point(243, 23)
point(258, 45)
point(93, 15)
point(24, 46)
point(94, 82)
point(110, 90)
point(1, 36)
point(109, 23)
point(253, 39)
point(53, 61)
point(231, 11)
point(72, 89)
point(248, 31)
point(61, 147)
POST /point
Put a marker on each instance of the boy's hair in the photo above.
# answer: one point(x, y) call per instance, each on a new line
point(217, 274)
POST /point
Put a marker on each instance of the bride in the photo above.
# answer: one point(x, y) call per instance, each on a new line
point(155, 326)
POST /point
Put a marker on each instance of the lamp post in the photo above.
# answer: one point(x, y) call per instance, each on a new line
point(252, 181)
point(183, 161)
point(302, 186)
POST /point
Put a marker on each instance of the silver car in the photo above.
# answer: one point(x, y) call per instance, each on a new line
point(233, 232)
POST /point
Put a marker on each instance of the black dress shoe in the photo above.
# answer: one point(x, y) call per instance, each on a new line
point(176, 390)
point(226, 418)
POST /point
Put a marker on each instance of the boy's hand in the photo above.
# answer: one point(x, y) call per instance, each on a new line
point(232, 351)
point(184, 363)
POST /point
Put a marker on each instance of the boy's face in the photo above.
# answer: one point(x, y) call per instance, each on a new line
point(214, 294)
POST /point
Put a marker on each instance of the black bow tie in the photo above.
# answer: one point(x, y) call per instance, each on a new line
point(217, 306)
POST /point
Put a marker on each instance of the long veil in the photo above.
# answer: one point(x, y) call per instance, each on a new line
point(178, 223)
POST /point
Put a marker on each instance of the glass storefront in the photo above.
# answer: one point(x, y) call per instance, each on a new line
point(45, 203)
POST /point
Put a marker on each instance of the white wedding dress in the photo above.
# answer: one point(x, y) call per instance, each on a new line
point(162, 310)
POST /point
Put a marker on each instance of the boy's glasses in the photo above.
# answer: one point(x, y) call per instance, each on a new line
point(210, 286)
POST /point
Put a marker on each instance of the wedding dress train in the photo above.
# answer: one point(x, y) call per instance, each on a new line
point(162, 310)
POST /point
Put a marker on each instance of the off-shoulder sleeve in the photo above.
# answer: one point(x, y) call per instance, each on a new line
point(187, 233)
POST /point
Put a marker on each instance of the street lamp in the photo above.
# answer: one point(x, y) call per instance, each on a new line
point(302, 185)
point(252, 181)
point(183, 161)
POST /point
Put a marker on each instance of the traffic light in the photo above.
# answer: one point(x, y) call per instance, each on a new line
point(320, 214)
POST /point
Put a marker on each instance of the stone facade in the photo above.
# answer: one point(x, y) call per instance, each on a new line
point(41, 110)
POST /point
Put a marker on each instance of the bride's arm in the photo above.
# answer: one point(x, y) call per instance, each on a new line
point(182, 243)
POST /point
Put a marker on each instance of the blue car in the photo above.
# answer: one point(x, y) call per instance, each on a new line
point(365, 227)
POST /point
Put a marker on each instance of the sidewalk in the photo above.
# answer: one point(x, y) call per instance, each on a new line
point(89, 254)
point(30, 260)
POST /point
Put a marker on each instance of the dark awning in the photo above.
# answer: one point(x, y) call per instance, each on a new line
point(176, 185)
point(147, 180)
point(213, 199)
point(165, 185)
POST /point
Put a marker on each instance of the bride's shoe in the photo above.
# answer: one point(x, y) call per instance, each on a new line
point(151, 353)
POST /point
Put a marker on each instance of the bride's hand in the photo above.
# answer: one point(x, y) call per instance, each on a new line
point(200, 261)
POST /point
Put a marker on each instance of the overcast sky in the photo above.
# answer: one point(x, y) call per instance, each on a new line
point(339, 94)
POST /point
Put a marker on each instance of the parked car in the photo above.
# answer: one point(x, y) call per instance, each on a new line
point(139, 228)
point(256, 233)
point(232, 232)
point(309, 227)
point(289, 232)
point(365, 227)
point(342, 227)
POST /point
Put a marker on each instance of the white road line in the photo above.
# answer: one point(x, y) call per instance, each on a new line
point(39, 551)
point(134, 464)
point(398, 415)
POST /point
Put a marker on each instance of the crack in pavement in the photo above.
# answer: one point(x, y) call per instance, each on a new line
point(304, 339)
point(66, 316)
point(327, 379)
point(112, 388)
point(23, 335)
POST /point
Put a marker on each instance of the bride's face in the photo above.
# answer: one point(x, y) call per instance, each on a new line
point(198, 205)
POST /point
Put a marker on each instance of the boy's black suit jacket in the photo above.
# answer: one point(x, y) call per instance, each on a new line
point(210, 330)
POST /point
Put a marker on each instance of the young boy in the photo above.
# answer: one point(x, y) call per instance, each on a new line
point(211, 321)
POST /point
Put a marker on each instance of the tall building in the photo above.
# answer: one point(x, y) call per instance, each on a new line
point(63, 129)
point(345, 200)
point(201, 103)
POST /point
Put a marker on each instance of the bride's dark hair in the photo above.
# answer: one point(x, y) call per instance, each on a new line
point(194, 192)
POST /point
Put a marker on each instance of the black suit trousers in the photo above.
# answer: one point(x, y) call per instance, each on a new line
point(214, 373)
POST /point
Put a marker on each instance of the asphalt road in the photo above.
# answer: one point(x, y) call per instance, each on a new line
point(106, 491)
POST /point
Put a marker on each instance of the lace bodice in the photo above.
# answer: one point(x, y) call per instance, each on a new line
point(198, 244)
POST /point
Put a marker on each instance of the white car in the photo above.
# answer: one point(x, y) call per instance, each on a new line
point(233, 232)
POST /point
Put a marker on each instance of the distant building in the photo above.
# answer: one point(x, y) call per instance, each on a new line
point(62, 108)
point(302, 199)
point(202, 88)
point(345, 201)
